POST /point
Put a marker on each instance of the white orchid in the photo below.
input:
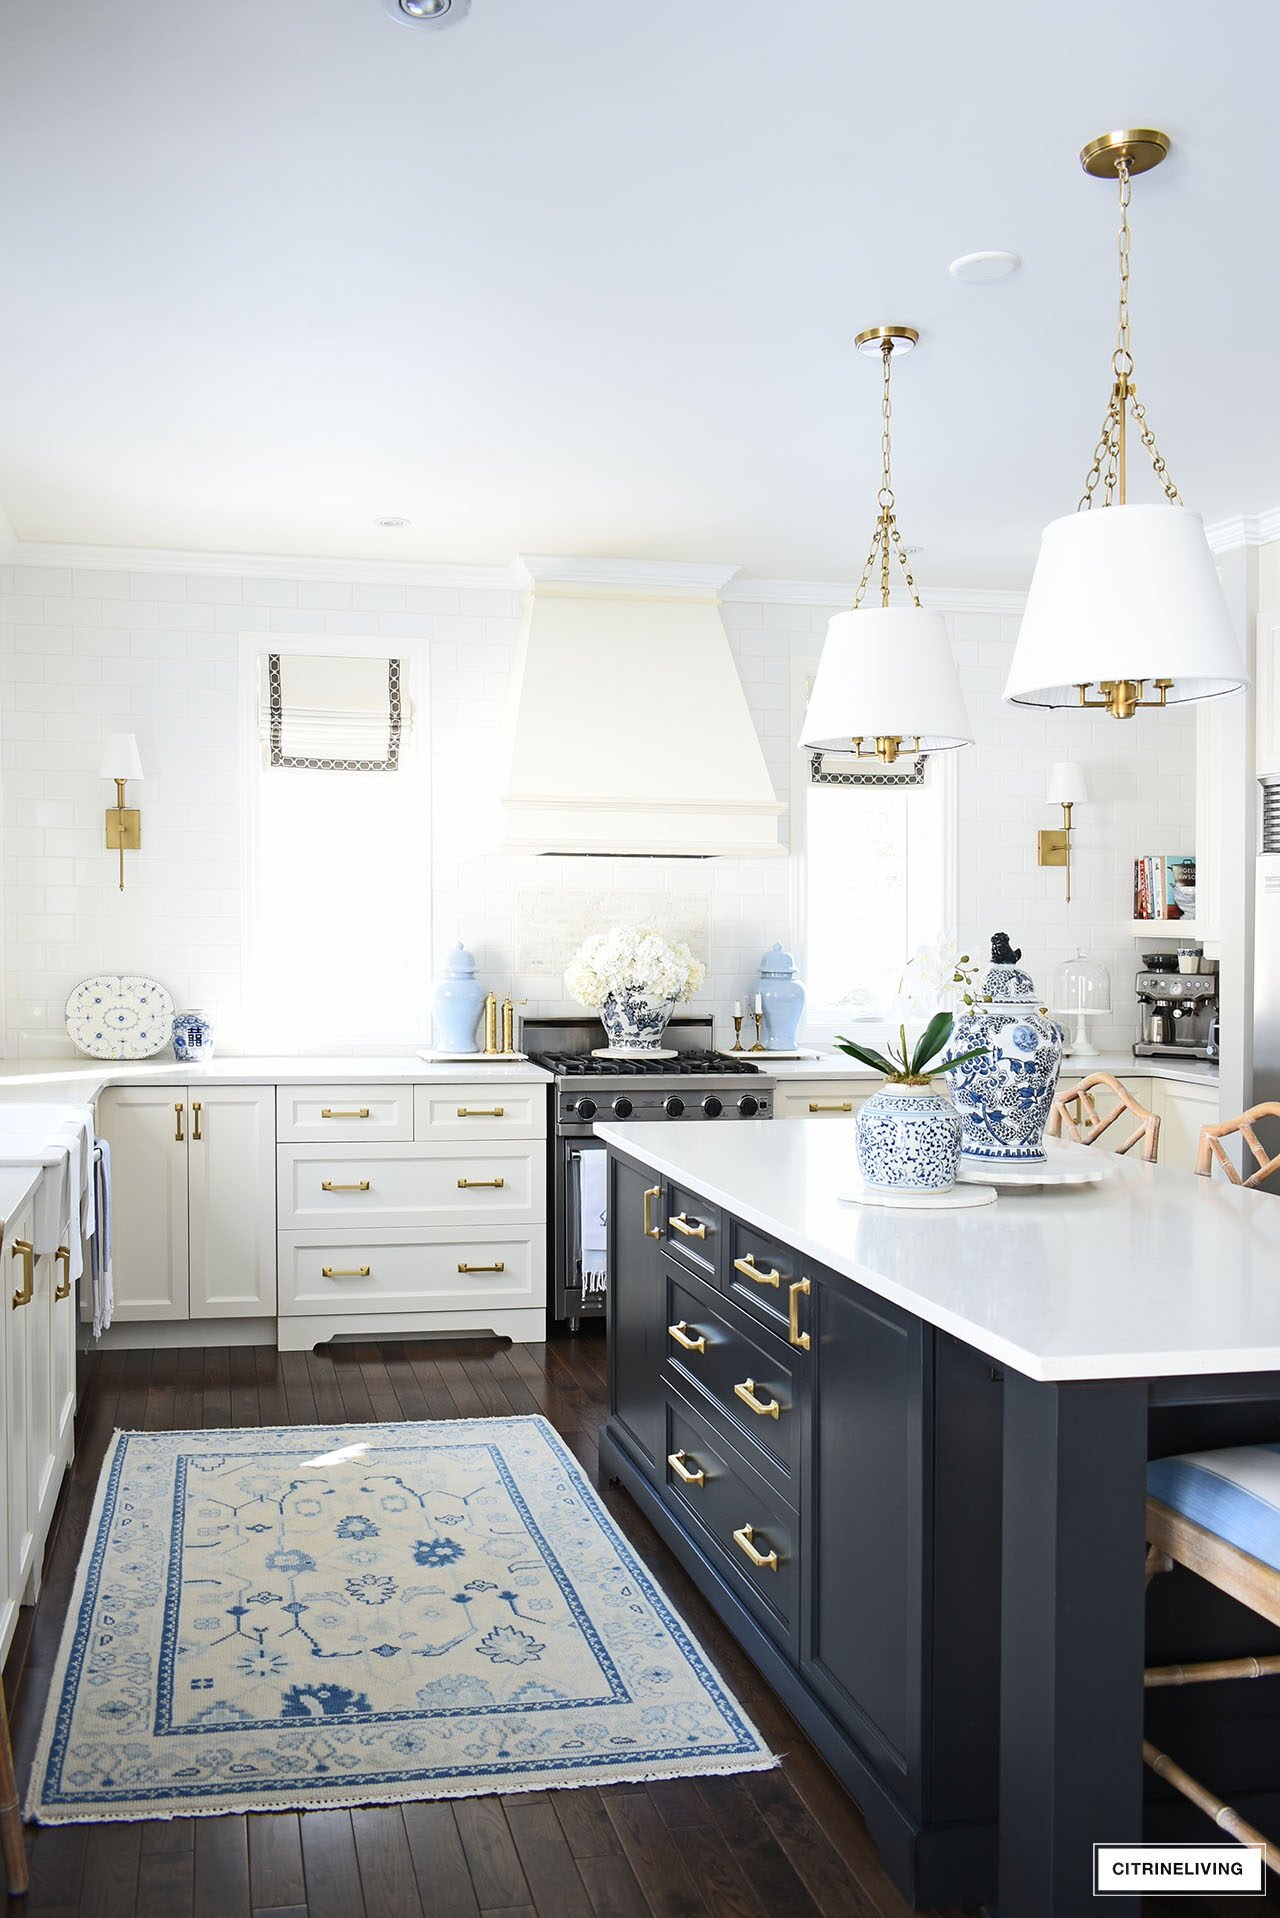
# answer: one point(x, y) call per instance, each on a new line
point(635, 957)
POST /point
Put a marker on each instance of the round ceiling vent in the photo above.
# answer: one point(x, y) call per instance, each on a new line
point(428, 13)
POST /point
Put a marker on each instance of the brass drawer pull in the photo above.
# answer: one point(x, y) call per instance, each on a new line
point(24, 1250)
point(676, 1460)
point(747, 1393)
point(651, 1231)
point(352, 1272)
point(467, 1185)
point(680, 1223)
point(481, 1112)
point(680, 1333)
point(500, 1266)
point(800, 1290)
point(828, 1105)
point(763, 1561)
point(178, 1134)
point(63, 1254)
point(750, 1270)
point(327, 1113)
point(332, 1185)
point(195, 1115)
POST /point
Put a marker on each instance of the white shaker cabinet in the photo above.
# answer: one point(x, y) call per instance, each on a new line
point(17, 1521)
point(1183, 1107)
point(821, 1098)
point(193, 1200)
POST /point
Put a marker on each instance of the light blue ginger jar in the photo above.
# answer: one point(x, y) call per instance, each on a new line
point(908, 1138)
point(457, 1003)
point(782, 997)
point(1005, 1097)
point(193, 1037)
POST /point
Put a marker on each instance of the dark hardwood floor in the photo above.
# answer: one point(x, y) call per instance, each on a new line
point(767, 1843)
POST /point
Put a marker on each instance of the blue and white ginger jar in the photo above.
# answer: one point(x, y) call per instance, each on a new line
point(193, 1037)
point(457, 1002)
point(782, 999)
point(1005, 1097)
point(634, 1021)
point(908, 1138)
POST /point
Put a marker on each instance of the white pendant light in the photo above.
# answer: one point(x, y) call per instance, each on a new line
point(1125, 609)
point(886, 682)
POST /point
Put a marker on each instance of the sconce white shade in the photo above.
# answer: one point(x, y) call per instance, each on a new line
point(1125, 592)
point(1066, 785)
point(120, 758)
point(886, 671)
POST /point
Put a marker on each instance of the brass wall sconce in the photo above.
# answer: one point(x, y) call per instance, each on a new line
point(1067, 788)
point(120, 762)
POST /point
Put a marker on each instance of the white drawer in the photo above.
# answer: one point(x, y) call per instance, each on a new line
point(344, 1112)
point(816, 1099)
point(349, 1272)
point(492, 1182)
point(479, 1111)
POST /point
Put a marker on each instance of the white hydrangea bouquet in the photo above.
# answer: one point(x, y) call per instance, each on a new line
point(633, 976)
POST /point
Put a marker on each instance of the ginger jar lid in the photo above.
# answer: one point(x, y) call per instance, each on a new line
point(1004, 984)
point(460, 964)
point(777, 963)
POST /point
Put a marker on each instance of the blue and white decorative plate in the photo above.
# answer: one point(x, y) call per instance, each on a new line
point(118, 1015)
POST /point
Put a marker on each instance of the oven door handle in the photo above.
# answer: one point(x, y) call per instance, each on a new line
point(573, 1212)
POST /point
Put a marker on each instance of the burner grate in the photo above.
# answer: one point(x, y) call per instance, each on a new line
point(581, 1065)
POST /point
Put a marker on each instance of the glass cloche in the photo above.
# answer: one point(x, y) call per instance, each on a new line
point(1081, 990)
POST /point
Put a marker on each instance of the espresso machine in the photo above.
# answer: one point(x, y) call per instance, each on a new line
point(1178, 1015)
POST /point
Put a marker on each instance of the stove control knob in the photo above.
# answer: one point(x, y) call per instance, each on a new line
point(712, 1106)
point(622, 1108)
point(748, 1106)
point(673, 1106)
point(585, 1108)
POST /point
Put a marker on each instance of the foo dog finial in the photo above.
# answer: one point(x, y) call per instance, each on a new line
point(1002, 953)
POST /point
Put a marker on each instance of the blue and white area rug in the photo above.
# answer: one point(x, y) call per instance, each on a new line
point(356, 1614)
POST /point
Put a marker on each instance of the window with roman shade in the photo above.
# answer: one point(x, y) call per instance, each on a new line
point(329, 714)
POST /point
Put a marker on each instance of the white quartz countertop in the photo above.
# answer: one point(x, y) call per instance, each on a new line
point(838, 1065)
point(85, 1078)
point(1147, 1274)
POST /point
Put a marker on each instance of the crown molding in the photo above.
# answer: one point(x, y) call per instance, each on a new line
point(642, 576)
point(840, 593)
point(1245, 529)
point(355, 572)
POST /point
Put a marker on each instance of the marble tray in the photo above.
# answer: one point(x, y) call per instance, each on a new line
point(1065, 1163)
point(959, 1198)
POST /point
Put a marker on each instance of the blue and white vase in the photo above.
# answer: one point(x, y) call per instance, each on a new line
point(782, 999)
point(634, 1021)
point(1006, 1096)
point(908, 1139)
point(193, 1037)
point(457, 1002)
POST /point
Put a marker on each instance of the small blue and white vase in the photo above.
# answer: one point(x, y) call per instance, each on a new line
point(457, 1002)
point(1005, 1096)
point(908, 1139)
point(193, 1037)
point(782, 999)
point(634, 1021)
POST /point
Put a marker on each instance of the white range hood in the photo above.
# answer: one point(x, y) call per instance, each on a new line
point(629, 728)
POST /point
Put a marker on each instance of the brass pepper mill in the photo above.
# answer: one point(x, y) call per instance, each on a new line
point(509, 1022)
point(491, 1023)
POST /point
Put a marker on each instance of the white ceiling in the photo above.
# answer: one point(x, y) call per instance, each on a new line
point(581, 275)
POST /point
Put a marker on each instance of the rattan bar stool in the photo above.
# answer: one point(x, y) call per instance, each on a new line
point(1211, 1146)
point(1077, 1112)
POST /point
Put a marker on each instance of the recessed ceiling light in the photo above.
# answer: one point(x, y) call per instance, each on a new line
point(979, 269)
point(428, 13)
point(392, 521)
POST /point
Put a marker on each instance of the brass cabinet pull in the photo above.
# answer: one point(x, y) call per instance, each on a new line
point(332, 1185)
point(750, 1270)
point(468, 1185)
point(800, 1290)
point(337, 1272)
point(747, 1393)
point(679, 1221)
point(195, 1117)
point(64, 1290)
point(24, 1250)
point(828, 1105)
point(680, 1333)
point(763, 1561)
point(327, 1112)
point(676, 1460)
point(651, 1231)
point(499, 1266)
point(178, 1134)
point(481, 1112)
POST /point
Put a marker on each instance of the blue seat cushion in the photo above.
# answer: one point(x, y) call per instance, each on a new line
point(1234, 1493)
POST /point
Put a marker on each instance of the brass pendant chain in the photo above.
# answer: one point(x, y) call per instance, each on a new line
point(1108, 468)
point(886, 538)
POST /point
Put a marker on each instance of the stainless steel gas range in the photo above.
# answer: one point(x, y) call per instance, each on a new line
point(698, 1086)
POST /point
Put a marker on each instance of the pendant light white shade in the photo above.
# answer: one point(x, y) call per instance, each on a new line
point(886, 671)
point(1125, 592)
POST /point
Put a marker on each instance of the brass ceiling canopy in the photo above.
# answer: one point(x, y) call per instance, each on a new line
point(898, 339)
point(1141, 148)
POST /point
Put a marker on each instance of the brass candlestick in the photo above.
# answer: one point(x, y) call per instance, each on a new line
point(737, 1033)
point(759, 1019)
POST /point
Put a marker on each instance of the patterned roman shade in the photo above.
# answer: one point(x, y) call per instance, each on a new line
point(331, 715)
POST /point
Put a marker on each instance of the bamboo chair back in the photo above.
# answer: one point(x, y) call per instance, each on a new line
point(1077, 1112)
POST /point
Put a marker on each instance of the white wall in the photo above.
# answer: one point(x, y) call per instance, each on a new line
point(88, 651)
